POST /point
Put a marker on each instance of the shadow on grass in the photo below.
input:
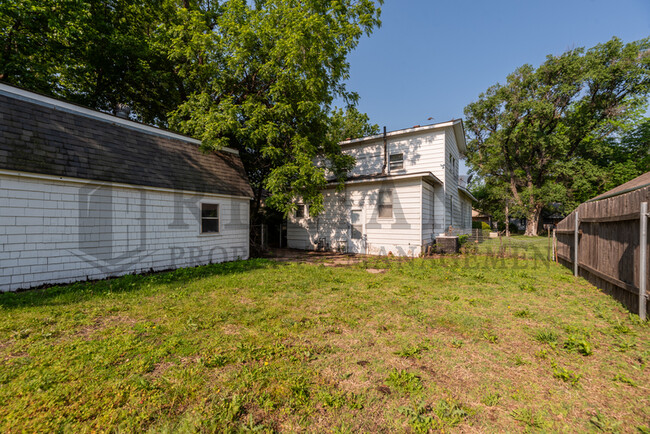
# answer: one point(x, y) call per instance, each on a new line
point(83, 291)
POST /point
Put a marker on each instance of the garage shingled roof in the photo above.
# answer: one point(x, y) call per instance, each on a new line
point(46, 136)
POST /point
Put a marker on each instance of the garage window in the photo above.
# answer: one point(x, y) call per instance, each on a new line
point(209, 218)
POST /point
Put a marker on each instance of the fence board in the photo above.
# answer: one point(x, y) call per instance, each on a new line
point(608, 244)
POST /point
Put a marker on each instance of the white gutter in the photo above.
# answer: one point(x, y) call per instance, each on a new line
point(429, 175)
point(27, 175)
point(467, 193)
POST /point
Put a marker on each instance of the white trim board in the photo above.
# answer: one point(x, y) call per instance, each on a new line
point(28, 175)
point(426, 175)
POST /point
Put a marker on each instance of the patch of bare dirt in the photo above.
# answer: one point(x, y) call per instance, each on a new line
point(329, 259)
point(102, 323)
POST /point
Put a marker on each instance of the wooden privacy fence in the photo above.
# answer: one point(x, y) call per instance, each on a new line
point(606, 242)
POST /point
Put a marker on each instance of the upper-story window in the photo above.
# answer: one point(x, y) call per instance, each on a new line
point(453, 164)
point(300, 211)
point(385, 204)
point(209, 218)
point(396, 161)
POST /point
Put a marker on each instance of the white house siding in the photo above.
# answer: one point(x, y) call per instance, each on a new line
point(400, 235)
point(59, 231)
point(466, 211)
point(433, 212)
point(423, 152)
point(453, 214)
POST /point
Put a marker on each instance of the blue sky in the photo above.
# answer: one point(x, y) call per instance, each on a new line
point(432, 58)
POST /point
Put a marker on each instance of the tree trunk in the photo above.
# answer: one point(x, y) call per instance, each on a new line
point(532, 221)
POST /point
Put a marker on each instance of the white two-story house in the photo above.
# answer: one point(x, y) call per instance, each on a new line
point(402, 194)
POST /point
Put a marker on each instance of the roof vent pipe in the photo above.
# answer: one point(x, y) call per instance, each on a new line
point(383, 169)
point(122, 111)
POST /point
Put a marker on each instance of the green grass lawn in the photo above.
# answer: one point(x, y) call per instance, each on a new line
point(456, 344)
point(516, 245)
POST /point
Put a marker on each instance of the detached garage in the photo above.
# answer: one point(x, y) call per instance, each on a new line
point(87, 195)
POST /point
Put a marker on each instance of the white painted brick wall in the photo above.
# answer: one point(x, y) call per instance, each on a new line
point(55, 231)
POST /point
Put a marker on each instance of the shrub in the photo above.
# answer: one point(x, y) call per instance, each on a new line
point(481, 225)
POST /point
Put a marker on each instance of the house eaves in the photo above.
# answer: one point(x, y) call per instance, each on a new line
point(467, 193)
point(457, 124)
point(366, 179)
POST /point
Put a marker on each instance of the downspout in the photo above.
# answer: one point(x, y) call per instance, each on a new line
point(383, 169)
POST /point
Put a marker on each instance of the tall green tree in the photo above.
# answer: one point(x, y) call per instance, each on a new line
point(265, 75)
point(96, 53)
point(533, 132)
point(350, 124)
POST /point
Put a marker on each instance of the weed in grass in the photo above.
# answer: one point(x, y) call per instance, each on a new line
point(216, 361)
point(566, 375)
point(547, 337)
point(527, 287)
point(575, 330)
point(621, 329)
point(624, 345)
point(527, 417)
point(457, 343)
point(491, 399)
point(579, 345)
point(605, 424)
point(414, 351)
point(229, 409)
point(541, 354)
point(334, 399)
point(636, 319)
point(623, 379)
point(491, 337)
point(451, 298)
point(451, 413)
point(523, 313)
point(519, 361)
point(300, 391)
point(418, 418)
point(404, 381)
point(415, 313)
point(643, 429)
point(355, 402)
point(423, 418)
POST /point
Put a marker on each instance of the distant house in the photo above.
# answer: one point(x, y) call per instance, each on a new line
point(478, 216)
point(403, 192)
point(87, 195)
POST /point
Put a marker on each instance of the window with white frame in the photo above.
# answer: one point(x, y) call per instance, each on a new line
point(385, 204)
point(209, 218)
point(396, 161)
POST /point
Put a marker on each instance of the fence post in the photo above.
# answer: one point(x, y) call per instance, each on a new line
point(643, 260)
point(262, 237)
point(575, 241)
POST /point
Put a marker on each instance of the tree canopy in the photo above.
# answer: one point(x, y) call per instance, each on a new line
point(544, 130)
point(259, 76)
